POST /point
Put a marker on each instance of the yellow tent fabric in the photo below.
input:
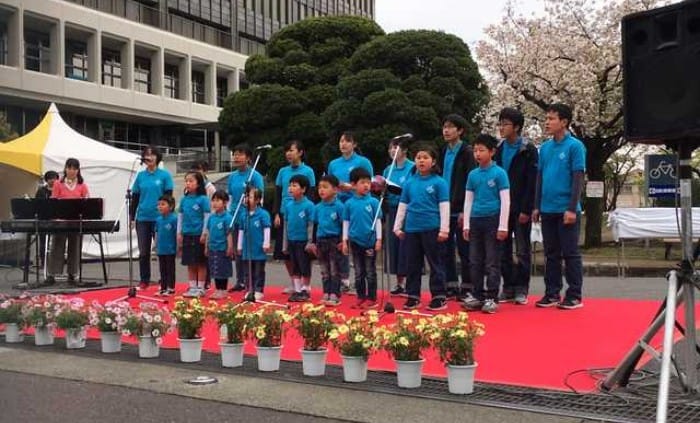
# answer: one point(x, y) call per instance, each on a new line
point(26, 152)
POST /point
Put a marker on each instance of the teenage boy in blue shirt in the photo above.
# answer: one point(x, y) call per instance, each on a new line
point(364, 241)
point(561, 169)
point(240, 160)
point(518, 157)
point(299, 214)
point(486, 205)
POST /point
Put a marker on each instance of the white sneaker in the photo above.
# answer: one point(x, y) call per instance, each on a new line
point(259, 296)
point(288, 290)
point(192, 292)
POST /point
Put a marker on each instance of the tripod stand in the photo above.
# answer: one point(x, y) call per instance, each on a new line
point(682, 285)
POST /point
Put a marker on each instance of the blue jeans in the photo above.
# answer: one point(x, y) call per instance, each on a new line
point(561, 243)
point(485, 256)
point(365, 261)
point(516, 273)
point(455, 237)
point(419, 245)
point(145, 231)
point(329, 261)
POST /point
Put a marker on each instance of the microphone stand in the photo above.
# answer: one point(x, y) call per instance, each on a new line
point(131, 292)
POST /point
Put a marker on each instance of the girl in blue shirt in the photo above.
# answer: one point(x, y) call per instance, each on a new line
point(218, 245)
point(193, 213)
point(423, 222)
point(254, 241)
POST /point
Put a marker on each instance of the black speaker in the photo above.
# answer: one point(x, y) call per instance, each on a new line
point(661, 68)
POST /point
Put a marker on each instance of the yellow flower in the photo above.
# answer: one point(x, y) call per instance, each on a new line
point(333, 334)
point(260, 333)
point(403, 341)
point(343, 329)
point(358, 338)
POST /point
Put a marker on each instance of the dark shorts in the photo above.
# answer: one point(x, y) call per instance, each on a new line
point(192, 250)
point(301, 264)
point(278, 254)
point(220, 265)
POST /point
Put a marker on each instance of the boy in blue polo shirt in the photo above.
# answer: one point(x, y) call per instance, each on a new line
point(254, 241)
point(166, 244)
point(562, 165)
point(328, 215)
point(364, 241)
point(299, 215)
point(486, 208)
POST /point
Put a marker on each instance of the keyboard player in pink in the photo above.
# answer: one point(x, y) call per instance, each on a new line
point(70, 186)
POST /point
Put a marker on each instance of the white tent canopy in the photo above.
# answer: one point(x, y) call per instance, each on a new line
point(107, 172)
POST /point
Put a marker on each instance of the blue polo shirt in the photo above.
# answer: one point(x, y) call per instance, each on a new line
point(360, 212)
point(329, 217)
point(286, 173)
point(298, 214)
point(166, 234)
point(558, 160)
point(422, 196)
point(399, 176)
point(508, 151)
point(150, 186)
point(218, 227)
point(193, 208)
point(236, 185)
point(486, 183)
point(341, 168)
point(254, 237)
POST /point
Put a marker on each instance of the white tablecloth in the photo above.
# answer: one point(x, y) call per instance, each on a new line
point(651, 222)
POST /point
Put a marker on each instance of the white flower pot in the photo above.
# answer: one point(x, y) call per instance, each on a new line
point(408, 373)
point(148, 347)
point(354, 369)
point(43, 336)
point(313, 363)
point(231, 354)
point(75, 338)
point(460, 379)
point(269, 358)
point(111, 342)
point(13, 334)
point(190, 350)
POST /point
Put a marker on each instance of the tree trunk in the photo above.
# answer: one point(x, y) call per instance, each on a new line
point(593, 207)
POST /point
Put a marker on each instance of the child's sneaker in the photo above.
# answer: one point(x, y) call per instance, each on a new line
point(570, 304)
point(305, 295)
point(398, 291)
point(359, 304)
point(411, 304)
point(219, 294)
point(437, 304)
point(160, 293)
point(295, 297)
point(520, 299)
point(333, 300)
point(546, 302)
point(506, 297)
point(259, 296)
point(191, 292)
point(169, 292)
point(490, 306)
point(325, 298)
point(472, 303)
point(370, 304)
point(288, 290)
point(237, 288)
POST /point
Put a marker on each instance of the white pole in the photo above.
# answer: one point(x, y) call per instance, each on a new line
point(669, 327)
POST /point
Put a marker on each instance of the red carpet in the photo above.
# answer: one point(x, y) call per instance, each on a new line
point(523, 345)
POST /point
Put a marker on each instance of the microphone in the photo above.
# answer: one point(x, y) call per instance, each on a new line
point(405, 137)
point(264, 147)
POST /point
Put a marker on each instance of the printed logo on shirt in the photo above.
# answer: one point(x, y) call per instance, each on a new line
point(220, 225)
point(302, 214)
point(368, 207)
point(159, 182)
point(562, 155)
point(256, 223)
point(430, 189)
point(402, 179)
point(195, 207)
point(491, 183)
point(168, 226)
point(334, 216)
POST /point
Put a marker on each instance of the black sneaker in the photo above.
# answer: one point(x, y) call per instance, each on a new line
point(546, 302)
point(207, 285)
point(506, 297)
point(437, 304)
point(304, 295)
point(472, 303)
point(237, 287)
point(398, 291)
point(411, 304)
point(570, 304)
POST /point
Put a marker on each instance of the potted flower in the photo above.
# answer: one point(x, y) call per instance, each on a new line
point(189, 315)
point(233, 319)
point(110, 319)
point(314, 324)
point(11, 316)
point(405, 340)
point(73, 318)
point(454, 339)
point(149, 324)
point(267, 327)
point(39, 312)
point(355, 339)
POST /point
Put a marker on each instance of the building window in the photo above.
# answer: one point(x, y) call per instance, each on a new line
point(198, 87)
point(221, 91)
point(3, 43)
point(142, 75)
point(243, 83)
point(111, 68)
point(37, 54)
point(171, 81)
point(76, 60)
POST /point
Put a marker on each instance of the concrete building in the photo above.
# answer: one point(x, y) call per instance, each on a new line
point(134, 72)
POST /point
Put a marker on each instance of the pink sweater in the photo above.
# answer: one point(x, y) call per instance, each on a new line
point(61, 191)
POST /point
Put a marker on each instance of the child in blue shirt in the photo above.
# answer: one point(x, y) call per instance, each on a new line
point(218, 245)
point(194, 211)
point(166, 244)
point(299, 215)
point(423, 222)
point(486, 208)
point(364, 241)
point(328, 216)
point(254, 241)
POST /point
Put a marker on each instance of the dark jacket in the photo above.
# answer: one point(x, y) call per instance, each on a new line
point(522, 176)
point(464, 163)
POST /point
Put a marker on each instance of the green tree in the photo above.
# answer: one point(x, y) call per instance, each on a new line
point(6, 132)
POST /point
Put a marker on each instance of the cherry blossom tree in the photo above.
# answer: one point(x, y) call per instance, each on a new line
point(572, 54)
